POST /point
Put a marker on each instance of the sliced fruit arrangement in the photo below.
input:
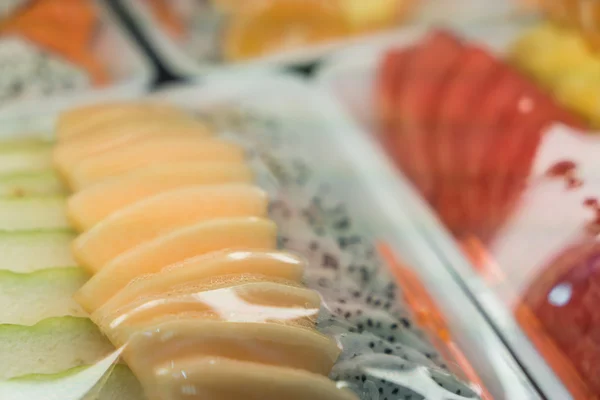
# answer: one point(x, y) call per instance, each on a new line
point(561, 60)
point(180, 263)
point(464, 126)
point(256, 28)
point(46, 47)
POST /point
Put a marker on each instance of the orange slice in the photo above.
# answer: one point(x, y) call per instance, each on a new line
point(163, 213)
point(151, 257)
point(152, 151)
point(87, 120)
point(68, 154)
point(261, 28)
point(271, 264)
point(91, 205)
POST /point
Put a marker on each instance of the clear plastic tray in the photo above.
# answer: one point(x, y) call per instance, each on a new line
point(372, 189)
point(327, 137)
point(178, 62)
point(131, 71)
point(349, 76)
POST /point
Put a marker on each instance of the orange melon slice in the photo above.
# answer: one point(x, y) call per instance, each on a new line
point(94, 203)
point(212, 378)
point(150, 257)
point(152, 151)
point(68, 154)
point(239, 298)
point(163, 213)
point(272, 264)
point(84, 120)
point(270, 344)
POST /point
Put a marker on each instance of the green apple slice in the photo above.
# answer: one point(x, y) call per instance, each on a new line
point(44, 212)
point(50, 346)
point(119, 384)
point(29, 251)
point(29, 298)
point(30, 184)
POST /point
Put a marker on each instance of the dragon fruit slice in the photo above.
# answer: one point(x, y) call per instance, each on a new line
point(362, 307)
point(30, 72)
point(382, 376)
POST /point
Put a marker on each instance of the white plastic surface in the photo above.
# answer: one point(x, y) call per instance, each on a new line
point(130, 70)
point(349, 77)
point(178, 62)
point(381, 201)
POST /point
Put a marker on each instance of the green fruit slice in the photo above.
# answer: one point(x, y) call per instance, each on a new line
point(44, 212)
point(29, 298)
point(50, 346)
point(29, 251)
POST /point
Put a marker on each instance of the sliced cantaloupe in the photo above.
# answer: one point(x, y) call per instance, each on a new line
point(94, 203)
point(51, 346)
point(239, 298)
point(29, 298)
point(163, 213)
point(29, 213)
point(120, 384)
point(225, 379)
point(36, 158)
point(30, 184)
point(151, 152)
point(150, 257)
point(265, 343)
point(29, 251)
point(85, 120)
point(275, 264)
point(68, 155)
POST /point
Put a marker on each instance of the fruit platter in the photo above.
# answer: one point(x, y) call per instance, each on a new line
point(64, 49)
point(158, 251)
point(495, 127)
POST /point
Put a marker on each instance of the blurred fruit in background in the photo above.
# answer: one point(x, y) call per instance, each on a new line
point(264, 27)
point(260, 27)
point(561, 60)
point(47, 46)
point(167, 17)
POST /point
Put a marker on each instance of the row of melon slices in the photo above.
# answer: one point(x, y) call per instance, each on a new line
point(183, 262)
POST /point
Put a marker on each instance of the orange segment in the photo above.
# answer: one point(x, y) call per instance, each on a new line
point(192, 241)
point(152, 151)
point(91, 205)
point(261, 28)
point(163, 213)
point(272, 264)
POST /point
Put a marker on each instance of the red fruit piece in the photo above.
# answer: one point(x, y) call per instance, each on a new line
point(586, 359)
point(434, 62)
point(389, 84)
point(565, 298)
point(464, 92)
point(515, 153)
point(491, 120)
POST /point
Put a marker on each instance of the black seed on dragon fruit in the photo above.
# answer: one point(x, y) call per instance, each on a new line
point(336, 318)
point(387, 377)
